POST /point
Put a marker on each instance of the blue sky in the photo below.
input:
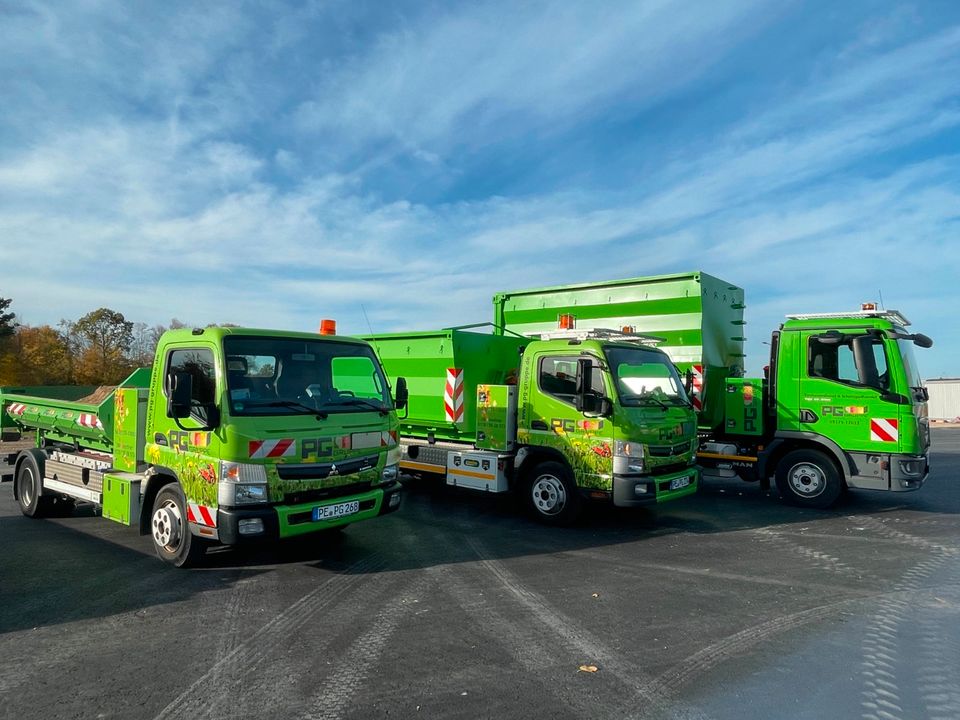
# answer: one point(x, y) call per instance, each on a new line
point(272, 164)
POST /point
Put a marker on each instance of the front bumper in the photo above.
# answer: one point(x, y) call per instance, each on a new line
point(908, 472)
point(282, 521)
point(657, 487)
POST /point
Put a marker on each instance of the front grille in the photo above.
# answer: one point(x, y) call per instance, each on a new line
point(319, 471)
point(305, 496)
point(304, 517)
point(669, 450)
point(667, 469)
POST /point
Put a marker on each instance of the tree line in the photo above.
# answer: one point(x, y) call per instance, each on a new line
point(101, 348)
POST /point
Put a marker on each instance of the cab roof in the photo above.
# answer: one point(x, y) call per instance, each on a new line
point(880, 319)
point(218, 333)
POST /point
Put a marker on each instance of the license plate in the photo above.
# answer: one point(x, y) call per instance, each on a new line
point(330, 512)
point(678, 483)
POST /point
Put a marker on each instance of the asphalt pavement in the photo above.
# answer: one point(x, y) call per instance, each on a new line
point(728, 604)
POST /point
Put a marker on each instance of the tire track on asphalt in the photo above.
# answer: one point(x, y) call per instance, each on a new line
point(195, 700)
point(905, 538)
point(534, 652)
point(939, 666)
point(336, 693)
point(637, 686)
point(885, 633)
point(636, 565)
point(817, 559)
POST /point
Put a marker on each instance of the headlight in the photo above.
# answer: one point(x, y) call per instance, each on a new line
point(628, 458)
point(626, 448)
point(242, 484)
point(391, 473)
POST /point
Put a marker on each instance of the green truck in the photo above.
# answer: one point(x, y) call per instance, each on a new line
point(233, 436)
point(841, 404)
point(563, 418)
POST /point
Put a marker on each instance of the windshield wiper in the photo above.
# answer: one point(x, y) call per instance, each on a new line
point(293, 405)
point(382, 409)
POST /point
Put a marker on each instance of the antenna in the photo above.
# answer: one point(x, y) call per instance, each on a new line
point(880, 293)
point(364, 311)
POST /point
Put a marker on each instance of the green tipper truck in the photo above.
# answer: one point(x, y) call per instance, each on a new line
point(841, 404)
point(235, 435)
point(563, 418)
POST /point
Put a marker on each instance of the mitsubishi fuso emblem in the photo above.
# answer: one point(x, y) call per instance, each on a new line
point(333, 470)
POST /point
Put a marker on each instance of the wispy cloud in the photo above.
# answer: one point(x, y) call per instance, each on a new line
point(267, 168)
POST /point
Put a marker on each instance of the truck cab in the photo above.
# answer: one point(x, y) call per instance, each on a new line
point(849, 383)
point(612, 408)
point(842, 406)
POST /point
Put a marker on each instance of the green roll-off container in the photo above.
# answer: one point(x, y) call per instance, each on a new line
point(424, 359)
point(699, 317)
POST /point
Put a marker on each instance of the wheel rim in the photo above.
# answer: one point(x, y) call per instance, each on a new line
point(807, 480)
point(167, 526)
point(549, 495)
point(28, 484)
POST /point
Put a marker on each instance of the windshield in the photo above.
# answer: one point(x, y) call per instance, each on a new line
point(910, 363)
point(277, 376)
point(645, 377)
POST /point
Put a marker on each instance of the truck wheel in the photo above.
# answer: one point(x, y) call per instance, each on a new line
point(551, 494)
point(170, 530)
point(808, 478)
point(29, 489)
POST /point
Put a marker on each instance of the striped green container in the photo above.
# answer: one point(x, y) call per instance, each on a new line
point(700, 318)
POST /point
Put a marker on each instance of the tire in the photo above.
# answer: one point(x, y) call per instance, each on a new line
point(170, 531)
point(29, 488)
point(808, 478)
point(551, 494)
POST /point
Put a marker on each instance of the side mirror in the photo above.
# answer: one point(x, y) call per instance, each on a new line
point(688, 381)
point(593, 405)
point(921, 340)
point(179, 392)
point(403, 395)
point(831, 337)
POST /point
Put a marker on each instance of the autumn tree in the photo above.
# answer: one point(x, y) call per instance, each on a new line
point(44, 356)
point(6, 318)
point(101, 340)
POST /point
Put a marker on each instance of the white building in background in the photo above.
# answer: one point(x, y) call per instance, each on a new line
point(944, 402)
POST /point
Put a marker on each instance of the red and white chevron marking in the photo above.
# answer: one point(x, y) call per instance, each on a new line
point(201, 515)
point(272, 448)
point(697, 387)
point(88, 420)
point(16, 408)
point(453, 395)
point(884, 430)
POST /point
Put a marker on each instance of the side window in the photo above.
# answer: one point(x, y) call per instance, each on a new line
point(558, 377)
point(198, 363)
point(837, 361)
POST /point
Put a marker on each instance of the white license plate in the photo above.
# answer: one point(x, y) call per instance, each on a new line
point(330, 512)
point(678, 483)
